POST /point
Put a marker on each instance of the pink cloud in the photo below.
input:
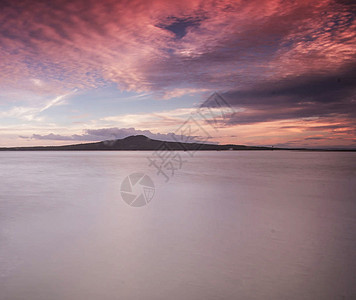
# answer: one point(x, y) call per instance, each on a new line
point(108, 134)
point(84, 44)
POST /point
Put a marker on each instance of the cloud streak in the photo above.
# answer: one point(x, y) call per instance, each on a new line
point(32, 113)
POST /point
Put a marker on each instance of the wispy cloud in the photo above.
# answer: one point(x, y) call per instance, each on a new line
point(29, 113)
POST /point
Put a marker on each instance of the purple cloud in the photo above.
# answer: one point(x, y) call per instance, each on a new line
point(107, 134)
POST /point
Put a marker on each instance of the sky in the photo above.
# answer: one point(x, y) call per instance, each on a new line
point(85, 71)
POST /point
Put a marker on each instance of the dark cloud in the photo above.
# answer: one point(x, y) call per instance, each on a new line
point(315, 138)
point(305, 96)
point(51, 136)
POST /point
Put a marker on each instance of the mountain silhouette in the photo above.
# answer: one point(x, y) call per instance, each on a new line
point(144, 143)
point(136, 142)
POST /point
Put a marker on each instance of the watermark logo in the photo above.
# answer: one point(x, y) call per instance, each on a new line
point(191, 136)
point(137, 189)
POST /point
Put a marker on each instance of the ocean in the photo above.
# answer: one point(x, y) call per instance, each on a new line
point(205, 225)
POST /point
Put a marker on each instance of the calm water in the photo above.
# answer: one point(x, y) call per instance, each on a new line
point(228, 225)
